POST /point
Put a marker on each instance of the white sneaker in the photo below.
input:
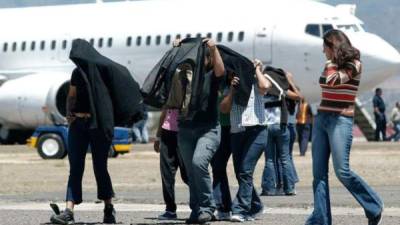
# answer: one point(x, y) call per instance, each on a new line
point(238, 218)
point(223, 216)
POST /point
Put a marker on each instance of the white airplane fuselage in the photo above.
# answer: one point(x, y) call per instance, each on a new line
point(35, 44)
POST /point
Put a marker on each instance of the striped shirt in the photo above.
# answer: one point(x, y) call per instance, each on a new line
point(339, 87)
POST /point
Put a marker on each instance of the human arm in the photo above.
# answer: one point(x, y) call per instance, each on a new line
point(262, 82)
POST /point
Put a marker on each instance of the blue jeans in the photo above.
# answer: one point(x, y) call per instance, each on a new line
point(292, 134)
point(140, 131)
point(396, 135)
point(80, 136)
point(277, 148)
point(197, 145)
point(303, 131)
point(219, 163)
point(332, 134)
point(247, 148)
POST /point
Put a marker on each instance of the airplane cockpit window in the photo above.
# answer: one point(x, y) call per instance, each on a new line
point(23, 46)
point(313, 29)
point(326, 28)
point(100, 43)
point(14, 46)
point(64, 44)
point(230, 36)
point(158, 40)
point(219, 37)
point(129, 41)
point(241, 36)
point(168, 39)
point(53, 45)
point(5, 47)
point(33, 45)
point(348, 27)
point(109, 42)
point(42, 45)
point(138, 41)
point(148, 40)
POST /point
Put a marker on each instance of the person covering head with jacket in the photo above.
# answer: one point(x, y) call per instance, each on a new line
point(332, 131)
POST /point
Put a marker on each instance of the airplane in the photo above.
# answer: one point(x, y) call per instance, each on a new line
point(35, 43)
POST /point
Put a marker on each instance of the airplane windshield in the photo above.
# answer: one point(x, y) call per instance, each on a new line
point(349, 27)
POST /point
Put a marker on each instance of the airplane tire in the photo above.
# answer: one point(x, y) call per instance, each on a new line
point(51, 146)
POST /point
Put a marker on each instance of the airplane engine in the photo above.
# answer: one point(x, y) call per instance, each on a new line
point(32, 100)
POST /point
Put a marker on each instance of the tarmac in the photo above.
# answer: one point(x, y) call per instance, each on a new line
point(29, 183)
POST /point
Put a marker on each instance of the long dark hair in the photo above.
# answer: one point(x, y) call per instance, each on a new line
point(343, 50)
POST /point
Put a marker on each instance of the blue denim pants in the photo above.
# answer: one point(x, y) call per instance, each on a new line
point(197, 145)
point(332, 134)
point(277, 148)
point(247, 148)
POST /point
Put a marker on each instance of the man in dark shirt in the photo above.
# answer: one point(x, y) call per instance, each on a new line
point(380, 117)
point(199, 139)
point(80, 135)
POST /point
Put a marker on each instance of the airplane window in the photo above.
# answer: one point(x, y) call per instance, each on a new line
point(53, 45)
point(109, 42)
point(148, 40)
point(100, 43)
point(129, 41)
point(158, 40)
point(42, 45)
point(178, 36)
point(138, 41)
point(313, 29)
point(326, 28)
point(168, 39)
point(219, 37)
point(64, 44)
point(33, 45)
point(230, 36)
point(209, 35)
point(241, 36)
point(91, 41)
point(5, 47)
point(198, 35)
point(348, 27)
point(14, 46)
point(23, 46)
point(188, 35)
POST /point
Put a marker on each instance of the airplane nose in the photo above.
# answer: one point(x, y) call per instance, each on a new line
point(380, 59)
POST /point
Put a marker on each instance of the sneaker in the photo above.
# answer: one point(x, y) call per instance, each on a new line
point(167, 215)
point(291, 193)
point(238, 218)
point(65, 217)
point(204, 218)
point(375, 221)
point(223, 216)
point(268, 193)
point(109, 214)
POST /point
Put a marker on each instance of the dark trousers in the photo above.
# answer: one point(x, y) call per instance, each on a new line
point(79, 139)
point(304, 133)
point(170, 160)
point(380, 127)
point(219, 163)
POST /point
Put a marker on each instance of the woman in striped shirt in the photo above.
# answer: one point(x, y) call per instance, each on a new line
point(332, 131)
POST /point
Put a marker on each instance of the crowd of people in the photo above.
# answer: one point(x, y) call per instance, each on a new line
point(216, 103)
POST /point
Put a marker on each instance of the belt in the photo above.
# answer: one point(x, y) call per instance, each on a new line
point(82, 115)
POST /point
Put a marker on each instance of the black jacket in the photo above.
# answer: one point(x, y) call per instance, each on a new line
point(114, 95)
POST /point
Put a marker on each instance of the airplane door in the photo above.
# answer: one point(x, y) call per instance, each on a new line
point(262, 48)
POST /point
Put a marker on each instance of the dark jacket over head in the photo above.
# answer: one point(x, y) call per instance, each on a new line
point(113, 93)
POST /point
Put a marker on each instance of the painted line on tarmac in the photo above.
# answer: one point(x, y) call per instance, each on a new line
point(123, 207)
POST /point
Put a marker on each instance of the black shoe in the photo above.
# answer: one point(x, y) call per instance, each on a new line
point(109, 214)
point(192, 221)
point(375, 221)
point(268, 193)
point(65, 218)
point(204, 218)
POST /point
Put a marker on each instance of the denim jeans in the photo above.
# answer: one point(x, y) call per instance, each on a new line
point(277, 148)
point(219, 163)
point(170, 161)
point(332, 134)
point(396, 135)
point(79, 138)
point(292, 134)
point(304, 132)
point(197, 145)
point(140, 131)
point(247, 148)
point(380, 121)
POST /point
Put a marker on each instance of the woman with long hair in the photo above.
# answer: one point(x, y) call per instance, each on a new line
point(332, 131)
